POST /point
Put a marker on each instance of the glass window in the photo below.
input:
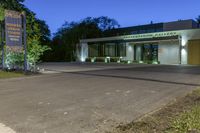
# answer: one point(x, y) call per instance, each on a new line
point(110, 49)
point(150, 30)
point(93, 50)
point(159, 30)
point(142, 31)
point(134, 32)
point(121, 49)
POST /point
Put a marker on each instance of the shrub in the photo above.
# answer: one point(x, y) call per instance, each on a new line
point(34, 54)
point(14, 60)
point(88, 59)
point(100, 59)
point(114, 59)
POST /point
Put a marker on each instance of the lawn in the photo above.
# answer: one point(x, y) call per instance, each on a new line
point(4, 75)
point(180, 116)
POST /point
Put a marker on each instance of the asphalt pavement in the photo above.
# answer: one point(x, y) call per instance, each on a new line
point(90, 98)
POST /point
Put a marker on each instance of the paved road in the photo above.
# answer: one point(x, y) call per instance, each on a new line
point(77, 67)
point(88, 100)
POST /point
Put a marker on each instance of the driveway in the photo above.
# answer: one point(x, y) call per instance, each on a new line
point(90, 100)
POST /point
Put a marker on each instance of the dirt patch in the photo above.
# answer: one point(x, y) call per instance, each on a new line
point(161, 121)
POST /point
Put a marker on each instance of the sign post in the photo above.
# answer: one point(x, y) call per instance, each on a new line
point(25, 43)
point(15, 30)
point(2, 41)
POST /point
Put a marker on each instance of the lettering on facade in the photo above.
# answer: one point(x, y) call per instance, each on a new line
point(151, 35)
point(13, 27)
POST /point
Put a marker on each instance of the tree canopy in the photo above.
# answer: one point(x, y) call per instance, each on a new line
point(66, 40)
point(38, 33)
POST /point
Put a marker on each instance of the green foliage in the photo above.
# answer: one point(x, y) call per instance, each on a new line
point(14, 60)
point(12, 4)
point(35, 52)
point(38, 34)
point(1, 14)
point(188, 121)
point(35, 49)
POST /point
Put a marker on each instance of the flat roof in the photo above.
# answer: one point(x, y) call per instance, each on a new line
point(153, 35)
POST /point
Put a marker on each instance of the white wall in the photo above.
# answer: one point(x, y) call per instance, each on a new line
point(168, 53)
point(83, 53)
point(129, 52)
point(138, 52)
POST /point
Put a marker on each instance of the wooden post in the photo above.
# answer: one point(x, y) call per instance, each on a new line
point(2, 43)
point(24, 41)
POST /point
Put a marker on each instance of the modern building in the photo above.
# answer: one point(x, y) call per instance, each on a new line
point(175, 42)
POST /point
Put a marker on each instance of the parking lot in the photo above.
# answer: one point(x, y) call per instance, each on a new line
point(89, 98)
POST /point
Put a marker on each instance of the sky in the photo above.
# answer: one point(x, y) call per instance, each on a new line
point(126, 12)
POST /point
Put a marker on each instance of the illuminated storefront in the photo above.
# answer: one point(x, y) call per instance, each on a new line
point(164, 45)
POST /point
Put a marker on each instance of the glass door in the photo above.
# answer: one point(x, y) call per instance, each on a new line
point(150, 53)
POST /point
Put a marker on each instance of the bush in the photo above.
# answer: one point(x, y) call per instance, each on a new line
point(14, 60)
point(114, 59)
point(34, 54)
point(88, 59)
point(100, 59)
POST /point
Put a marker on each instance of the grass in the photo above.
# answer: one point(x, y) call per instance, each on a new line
point(187, 121)
point(181, 116)
point(4, 74)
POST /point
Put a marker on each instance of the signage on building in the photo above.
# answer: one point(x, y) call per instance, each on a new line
point(151, 35)
point(135, 37)
point(13, 28)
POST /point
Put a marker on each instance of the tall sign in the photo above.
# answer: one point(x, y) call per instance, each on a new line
point(13, 28)
point(15, 33)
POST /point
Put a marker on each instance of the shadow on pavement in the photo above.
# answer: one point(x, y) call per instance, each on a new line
point(136, 78)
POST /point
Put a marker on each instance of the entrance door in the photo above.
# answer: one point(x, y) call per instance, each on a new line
point(148, 53)
point(194, 52)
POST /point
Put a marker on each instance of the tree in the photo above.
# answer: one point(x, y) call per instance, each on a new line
point(1, 14)
point(66, 40)
point(106, 23)
point(12, 4)
point(38, 33)
point(44, 31)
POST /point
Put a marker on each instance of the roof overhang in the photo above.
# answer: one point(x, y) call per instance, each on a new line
point(140, 37)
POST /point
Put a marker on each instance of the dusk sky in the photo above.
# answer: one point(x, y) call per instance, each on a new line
point(126, 12)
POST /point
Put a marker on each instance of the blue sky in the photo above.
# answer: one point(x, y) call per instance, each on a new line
point(126, 12)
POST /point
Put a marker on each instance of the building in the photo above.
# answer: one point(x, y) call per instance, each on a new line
point(175, 42)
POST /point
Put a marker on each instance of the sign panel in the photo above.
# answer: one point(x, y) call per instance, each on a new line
point(135, 37)
point(151, 35)
point(13, 28)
